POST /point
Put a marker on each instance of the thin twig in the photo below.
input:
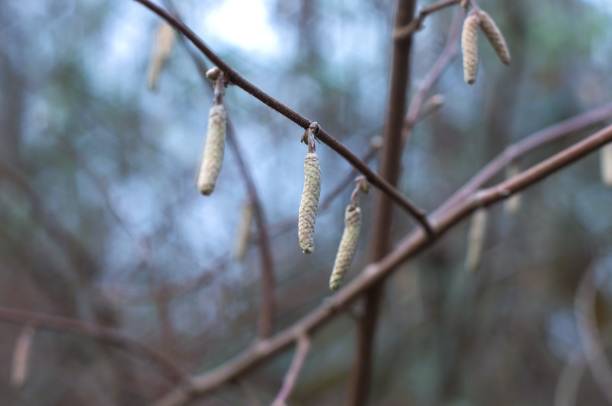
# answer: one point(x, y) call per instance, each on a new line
point(417, 23)
point(322, 135)
point(407, 248)
point(433, 75)
point(535, 140)
point(301, 351)
point(99, 333)
point(589, 334)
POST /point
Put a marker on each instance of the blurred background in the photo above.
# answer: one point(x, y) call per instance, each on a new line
point(100, 219)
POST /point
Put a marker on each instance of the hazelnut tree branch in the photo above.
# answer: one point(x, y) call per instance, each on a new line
point(321, 134)
point(408, 247)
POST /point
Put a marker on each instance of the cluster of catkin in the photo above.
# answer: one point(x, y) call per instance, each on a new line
point(309, 205)
point(212, 156)
point(479, 19)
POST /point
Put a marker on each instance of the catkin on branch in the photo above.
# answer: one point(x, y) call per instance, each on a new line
point(495, 37)
point(212, 157)
point(476, 236)
point(309, 203)
point(164, 40)
point(347, 247)
point(244, 232)
point(469, 46)
point(21, 356)
point(606, 164)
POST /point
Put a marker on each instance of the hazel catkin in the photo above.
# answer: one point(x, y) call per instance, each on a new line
point(347, 247)
point(164, 41)
point(476, 235)
point(309, 203)
point(469, 46)
point(212, 156)
point(495, 37)
point(244, 232)
point(606, 164)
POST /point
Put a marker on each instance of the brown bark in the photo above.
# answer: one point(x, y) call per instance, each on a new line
point(381, 235)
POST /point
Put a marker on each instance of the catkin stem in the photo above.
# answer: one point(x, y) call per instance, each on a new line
point(495, 37)
point(347, 247)
point(469, 46)
point(213, 150)
point(309, 203)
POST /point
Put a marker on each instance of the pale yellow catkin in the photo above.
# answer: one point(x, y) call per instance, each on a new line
point(162, 47)
point(513, 203)
point(347, 247)
point(469, 46)
point(606, 164)
point(244, 232)
point(21, 356)
point(309, 203)
point(495, 37)
point(476, 236)
point(212, 156)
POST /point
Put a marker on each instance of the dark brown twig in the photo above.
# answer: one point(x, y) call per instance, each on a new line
point(417, 23)
point(294, 116)
point(411, 245)
point(301, 351)
point(390, 169)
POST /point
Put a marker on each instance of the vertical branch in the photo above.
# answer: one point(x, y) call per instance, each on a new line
point(389, 170)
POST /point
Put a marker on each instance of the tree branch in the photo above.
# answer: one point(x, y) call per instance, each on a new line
point(235, 78)
point(417, 23)
point(410, 246)
point(301, 351)
point(99, 333)
point(390, 163)
point(515, 151)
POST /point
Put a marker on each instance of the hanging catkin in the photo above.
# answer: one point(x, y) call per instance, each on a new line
point(513, 203)
point(606, 164)
point(244, 232)
point(347, 247)
point(469, 46)
point(21, 356)
point(213, 150)
point(164, 40)
point(309, 203)
point(495, 37)
point(476, 236)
